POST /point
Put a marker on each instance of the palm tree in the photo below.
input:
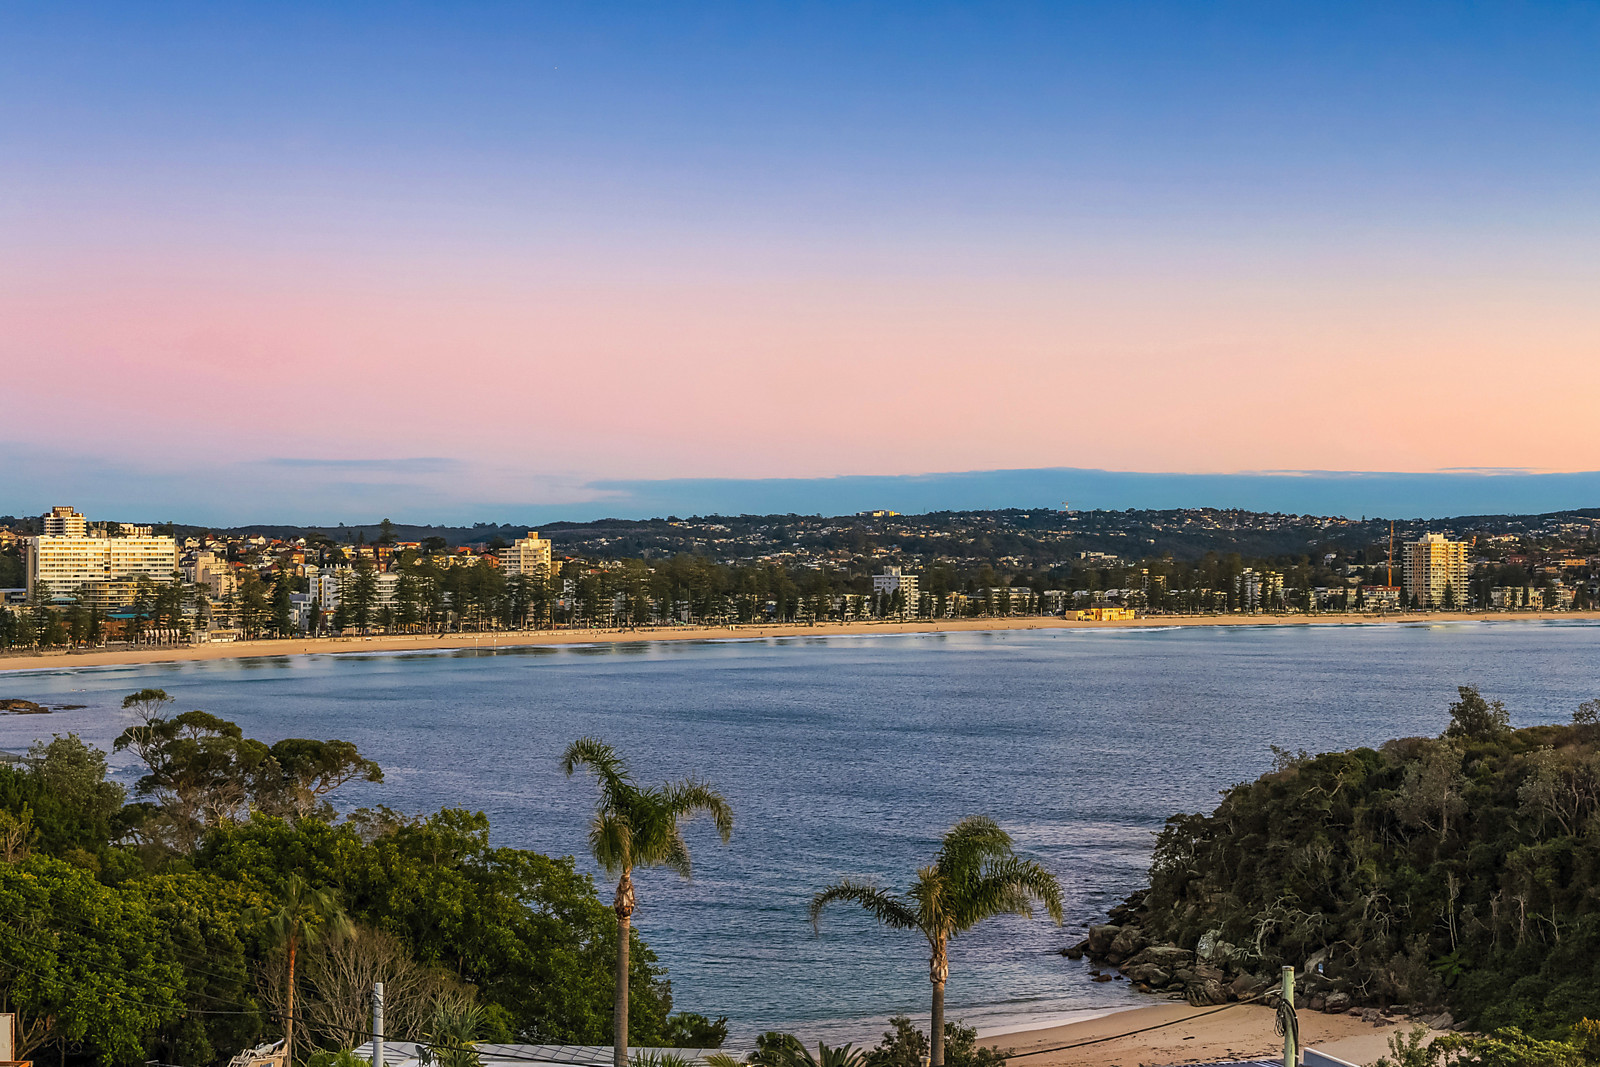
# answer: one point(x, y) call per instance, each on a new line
point(975, 876)
point(306, 916)
point(638, 827)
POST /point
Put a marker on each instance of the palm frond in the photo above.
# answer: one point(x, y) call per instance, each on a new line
point(884, 906)
point(692, 797)
point(969, 843)
point(931, 892)
point(608, 768)
point(1010, 886)
point(676, 857)
point(611, 841)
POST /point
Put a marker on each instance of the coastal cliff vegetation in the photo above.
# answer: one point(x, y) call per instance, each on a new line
point(1460, 871)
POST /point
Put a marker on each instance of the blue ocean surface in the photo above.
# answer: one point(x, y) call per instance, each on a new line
point(850, 756)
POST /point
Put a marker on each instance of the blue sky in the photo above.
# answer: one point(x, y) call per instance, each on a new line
point(559, 247)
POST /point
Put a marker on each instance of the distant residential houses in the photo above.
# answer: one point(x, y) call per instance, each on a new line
point(105, 568)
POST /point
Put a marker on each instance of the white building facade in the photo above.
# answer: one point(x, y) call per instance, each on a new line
point(526, 555)
point(895, 580)
point(64, 561)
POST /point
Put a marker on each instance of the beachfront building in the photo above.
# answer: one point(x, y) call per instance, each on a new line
point(328, 587)
point(1512, 597)
point(1380, 597)
point(895, 580)
point(1257, 588)
point(213, 572)
point(1106, 613)
point(526, 555)
point(66, 561)
point(1434, 570)
point(65, 522)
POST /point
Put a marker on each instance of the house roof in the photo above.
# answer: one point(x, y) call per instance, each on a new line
point(405, 1054)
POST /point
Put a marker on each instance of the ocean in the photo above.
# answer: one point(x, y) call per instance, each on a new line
point(850, 756)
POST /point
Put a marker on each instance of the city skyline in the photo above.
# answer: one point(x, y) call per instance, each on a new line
point(279, 262)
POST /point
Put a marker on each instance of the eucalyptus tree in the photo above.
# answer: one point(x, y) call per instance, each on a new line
point(975, 876)
point(637, 826)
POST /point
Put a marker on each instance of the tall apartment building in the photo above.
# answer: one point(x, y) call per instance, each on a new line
point(1433, 564)
point(527, 555)
point(64, 522)
point(894, 580)
point(71, 557)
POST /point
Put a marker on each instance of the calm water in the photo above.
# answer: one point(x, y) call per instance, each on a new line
point(849, 756)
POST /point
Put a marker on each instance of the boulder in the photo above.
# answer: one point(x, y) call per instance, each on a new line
point(1317, 1003)
point(1206, 991)
point(1336, 1002)
point(1441, 1022)
point(1167, 957)
point(1147, 973)
point(1314, 983)
point(1249, 985)
point(1075, 952)
point(1129, 940)
point(1101, 938)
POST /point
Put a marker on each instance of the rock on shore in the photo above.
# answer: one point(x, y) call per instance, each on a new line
point(1216, 972)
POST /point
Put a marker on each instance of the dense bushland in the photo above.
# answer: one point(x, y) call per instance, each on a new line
point(155, 930)
point(1462, 869)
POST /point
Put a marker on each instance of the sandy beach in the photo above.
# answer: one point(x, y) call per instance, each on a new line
point(60, 658)
point(1189, 1035)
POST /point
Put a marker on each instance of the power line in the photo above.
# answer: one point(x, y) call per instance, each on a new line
point(56, 950)
point(1141, 1030)
point(190, 961)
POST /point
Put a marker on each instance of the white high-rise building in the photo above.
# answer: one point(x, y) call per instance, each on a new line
point(526, 555)
point(1433, 564)
point(894, 580)
point(70, 558)
point(65, 522)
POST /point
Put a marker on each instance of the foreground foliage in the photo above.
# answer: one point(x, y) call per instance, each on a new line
point(638, 826)
point(1459, 870)
point(975, 876)
point(1508, 1047)
point(164, 929)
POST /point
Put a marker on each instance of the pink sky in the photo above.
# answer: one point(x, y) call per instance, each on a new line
point(1301, 364)
point(737, 242)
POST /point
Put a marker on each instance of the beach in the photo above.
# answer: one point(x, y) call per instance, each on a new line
point(103, 657)
point(1187, 1034)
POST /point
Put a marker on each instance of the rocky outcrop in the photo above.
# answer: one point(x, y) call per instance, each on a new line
point(22, 707)
point(1215, 971)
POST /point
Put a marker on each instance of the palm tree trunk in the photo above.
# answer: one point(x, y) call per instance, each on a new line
point(938, 974)
point(623, 906)
point(288, 1026)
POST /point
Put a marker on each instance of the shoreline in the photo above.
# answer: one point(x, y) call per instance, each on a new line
point(508, 639)
point(1188, 1034)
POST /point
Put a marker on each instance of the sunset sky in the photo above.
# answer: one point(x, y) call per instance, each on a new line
point(469, 261)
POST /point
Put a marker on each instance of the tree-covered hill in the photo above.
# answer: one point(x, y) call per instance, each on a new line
point(1462, 870)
